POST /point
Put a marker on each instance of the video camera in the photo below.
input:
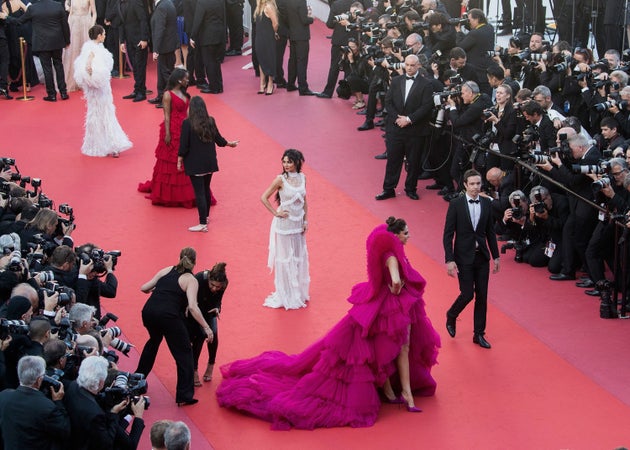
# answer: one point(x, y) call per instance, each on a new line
point(9, 327)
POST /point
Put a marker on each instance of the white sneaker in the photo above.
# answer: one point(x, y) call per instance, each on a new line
point(200, 227)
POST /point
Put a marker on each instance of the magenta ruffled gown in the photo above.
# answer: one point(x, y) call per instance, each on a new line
point(335, 381)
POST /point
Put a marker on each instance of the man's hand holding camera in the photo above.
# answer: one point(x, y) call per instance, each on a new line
point(58, 394)
point(533, 214)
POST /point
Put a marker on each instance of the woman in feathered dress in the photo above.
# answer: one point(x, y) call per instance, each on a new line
point(386, 341)
point(92, 72)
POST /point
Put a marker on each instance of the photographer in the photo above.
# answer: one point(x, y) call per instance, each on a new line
point(535, 115)
point(514, 226)
point(611, 139)
point(342, 14)
point(503, 125)
point(62, 263)
point(601, 247)
point(477, 43)
point(441, 36)
point(496, 77)
point(28, 419)
point(582, 217)
point(547, 214)
point(466, 117)
point(89, 286)
point(356, 71)
point(459, 63)
point(415, 46)
point(621, 112)
point(93, 427)
point(45, 223)
point(533, 61)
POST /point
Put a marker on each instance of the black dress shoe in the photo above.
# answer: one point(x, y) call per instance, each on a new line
point(5, 94)
point(434, 187)
point(450, 327)
point(140, 98)
point(192, 401)
point(323, 95)
point(481, 341)
point(445, 191)
point(450, 196)
point(412, 195)
point(381, 156)
point(593, 293)
point(129, 96)
point(201, 86)
point(425, 176)
point(50, 98)
point(367, 125)
point(379, 123)
point(385, 195)
point(561, 277)
point(234, 52)
point(585, 283)
point(291, 87)
point(115, 73)
point(155, 101)
point(64, 96)
point(308, 92)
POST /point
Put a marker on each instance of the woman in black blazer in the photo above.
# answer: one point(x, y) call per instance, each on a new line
point(504, 123)
point(198, 154)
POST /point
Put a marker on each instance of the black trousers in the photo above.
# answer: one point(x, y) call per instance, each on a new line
point(112, 43)
point(298, 64)
point(576, 233)
point(212, 55)
point(176, 335)
point(4, 64)
point(399, 148)
point(166, 64)
point(601, 248)
point(281, 47)
point(333, 71)
point(201, 186)
point(473, 283)
point(234, 19)
point(194, 65)
point(197, 337)
point(138, 58)
point(50, 59)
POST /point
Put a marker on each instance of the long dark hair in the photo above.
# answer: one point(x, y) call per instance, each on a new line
point(176, 76)
point(201, 123)
point(296, 157)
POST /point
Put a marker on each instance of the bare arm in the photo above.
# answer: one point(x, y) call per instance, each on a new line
point(275, 185)
point(189, 283)
point(149, 285)
point(166, 102)
point(397, 283)
point(92, 11)
point(270, 12)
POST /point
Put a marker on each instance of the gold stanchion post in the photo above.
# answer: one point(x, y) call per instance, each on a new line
point(24, 97)
point(121, 64)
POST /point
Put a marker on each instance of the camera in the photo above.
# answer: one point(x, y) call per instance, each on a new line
point(600, 184)
point(97, 256)
point(65, 293)
point(9, 327)
point(463, 21)
point(539, 205)
point(8, 161)
point(606, 83)
point(602, 65)
point(127, 385)
point(518, 246)
point(590, 169)
point(489, 112)
point(601, 107)
point(539, 158)
point(52, 379)
point(484, 140)
point(564, 65)
point(340, 17)
point(517, 212)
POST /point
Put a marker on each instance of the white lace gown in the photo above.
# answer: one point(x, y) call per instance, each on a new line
point(288, 255)
point(103, 133)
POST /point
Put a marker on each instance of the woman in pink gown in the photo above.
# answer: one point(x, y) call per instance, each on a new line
point(386, 341)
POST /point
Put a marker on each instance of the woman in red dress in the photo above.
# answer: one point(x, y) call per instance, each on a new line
point(168, 186)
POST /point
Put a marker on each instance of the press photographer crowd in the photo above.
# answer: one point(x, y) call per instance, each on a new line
point(60, 383)
point(546, 124)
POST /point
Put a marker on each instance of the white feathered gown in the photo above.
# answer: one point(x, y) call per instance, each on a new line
point(103, 133)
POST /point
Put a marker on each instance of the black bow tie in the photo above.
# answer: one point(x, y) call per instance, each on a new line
point(411, 78)
point(473, 201)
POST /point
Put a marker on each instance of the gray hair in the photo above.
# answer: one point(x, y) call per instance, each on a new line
point(177, 436)
point(518, 193)
point(80, 313)
point(621, 76)
point(579, 140)
point(92, 372)
point(544, 192)
point(474, 87)
point(626, 181)
point(30, 369)
point(542, 90)
point(416, 37)
point(621, 162)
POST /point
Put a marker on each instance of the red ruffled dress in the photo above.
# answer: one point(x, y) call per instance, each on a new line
point(168, 186)
point(335, 381)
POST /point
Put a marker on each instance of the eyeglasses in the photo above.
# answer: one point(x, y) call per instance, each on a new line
point(616, 174)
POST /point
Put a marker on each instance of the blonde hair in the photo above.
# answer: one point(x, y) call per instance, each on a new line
point(260, 6)
point(187, 260)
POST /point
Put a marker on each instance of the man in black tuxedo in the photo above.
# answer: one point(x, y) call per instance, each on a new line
point(409, 103)
point(208, 36)
point(134, 38)
point(469, 222)
point(299, 18)
point(93, 428)
point(27, 418)
point(165, 41)
point(51, 34)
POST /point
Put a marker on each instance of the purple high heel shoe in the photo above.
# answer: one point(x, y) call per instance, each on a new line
point(413, 409)
point(396, 400)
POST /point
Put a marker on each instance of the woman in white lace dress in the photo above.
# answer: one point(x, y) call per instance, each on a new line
point(92, 72)
point(288, 255)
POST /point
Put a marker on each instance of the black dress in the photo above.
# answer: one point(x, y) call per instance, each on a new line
point(266, 45)
point(163, 317)
point(14, 33)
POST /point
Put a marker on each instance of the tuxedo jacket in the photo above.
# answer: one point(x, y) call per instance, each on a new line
point(298, 20)
point(50, 25)
point(164, 27)
point(30, 420)
point(209, 22)
point(461, 239)
point(135, 22)
point(418, 106)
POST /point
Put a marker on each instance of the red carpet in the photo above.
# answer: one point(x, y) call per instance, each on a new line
point(555, 378)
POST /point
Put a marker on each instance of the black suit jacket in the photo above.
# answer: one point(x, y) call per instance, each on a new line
point(50, 25)
point(135, 22)
point(459, 226)
point(199, 157)
point(209, 22)
point(418, 106)
point(340, 34)
point(547, 133)
point(298, 20)
point(164, 27)
point(477, 43)
point(31, 421)
point(189, 15)
point(468, 121)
